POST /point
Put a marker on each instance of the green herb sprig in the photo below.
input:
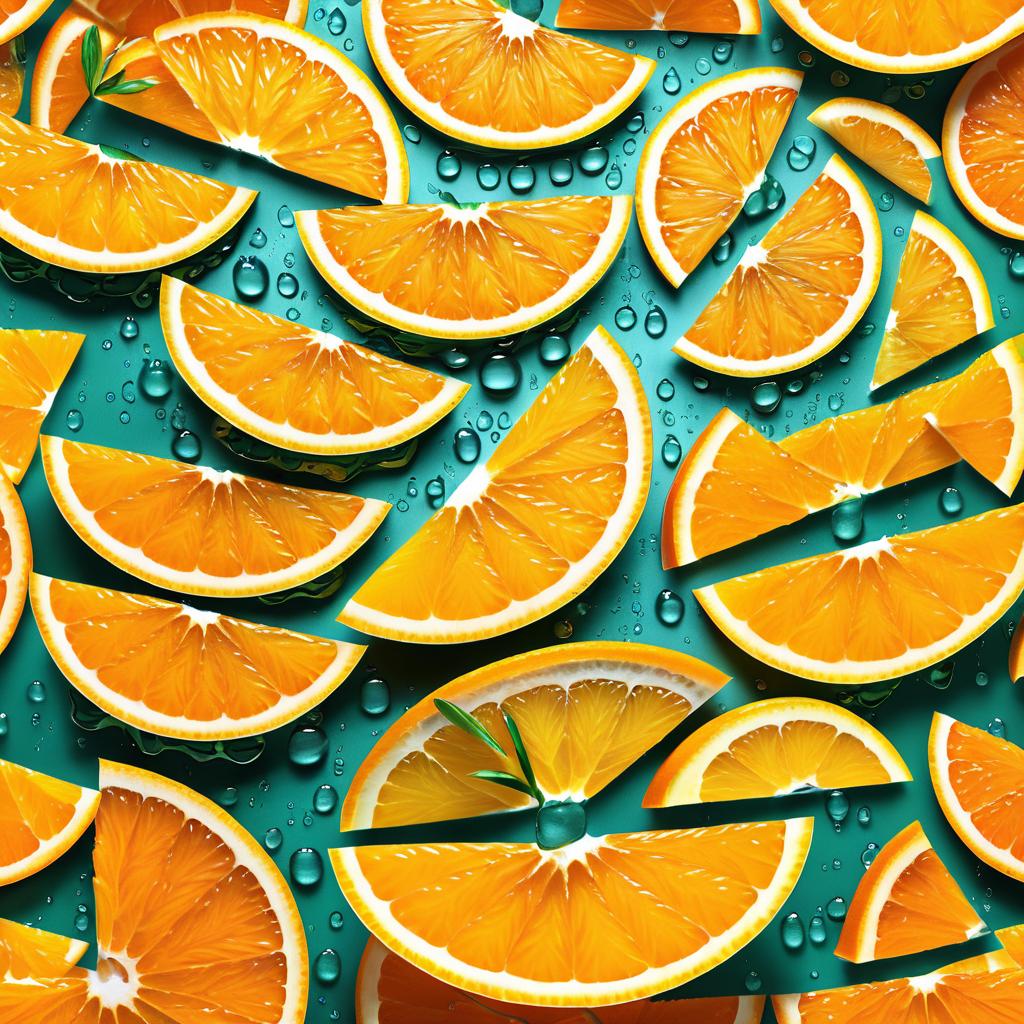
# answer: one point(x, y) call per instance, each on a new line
point(95, 68)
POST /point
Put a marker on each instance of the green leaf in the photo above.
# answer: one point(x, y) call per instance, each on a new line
point(524, 758)
point(465, 721)
point(117, 154)
point(92, 58)
point(504, 779)
point(116, 85)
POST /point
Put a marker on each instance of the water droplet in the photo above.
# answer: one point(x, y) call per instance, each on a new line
point(530, 9)
point(413, 134)
point(435, 492)
point(777, 44)
point(655, 322)
point(941, 676)
point(250, 277)
point(837, 805)
point(595, 159)
point(562, 629)
point(521, 178)
point(36, 691)
point(186, 446)
point(81, 919)
point(327, 967)
point(488, 177)
point(886, 201)
point(669, 608)
point(500, 374)
point(722, 52)
point(325, 799)
point(287, 285)
point(864, 815)
point(666, 390)
point(840, 79)
point(613, 179)
point(375, 695)
point(816, 930)
point(336, 921)
point(285, 217)
point(4, 725)
point(801, 153)
point(671, 450)
point(307, 745)
point(765, 199)
point(554, 350)
point(258, 239)
point(806, 58)
point(306, 867)
point(129, 329)
point(848, 520)
point(560, 823)
point(560, 171)
point(679, 39)
point(997, 728)
point(792, 931)
point(701, 384)
point(981, 679)
point(625, 318)
point(467, 445)
point(74, 420)
point(723, 248)
point(951, 501)
point(867, 857)
point(449, 166)
point(836, 909)
point(670, 83)
point(1017, 265)
point(228, 797)
point(454, 359)
point(336, 22)
point(752, 982)
point(766, 397)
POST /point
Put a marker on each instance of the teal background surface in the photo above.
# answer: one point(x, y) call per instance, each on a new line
point(272, 792)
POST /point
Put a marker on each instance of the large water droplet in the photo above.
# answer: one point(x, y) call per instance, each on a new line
point(307, 745)
point(155, 379)
point(449, 166)
point(287, 285)
point(997, 728)
point(467, 444)
point(325, 799)
point(554, 349)
point(336, 22)
point(766, 397)
point(951, 501)
point(723, 247)
point(864, 815)
point(848, 520)
point(186, 446)
point(560, 172)
point(129, 329)
point(613, 179)
point(666, 390)
point(625, 318)
point(765, 199)
point(722, 52)
point(375, 696)
point(272, 839)
point(752, 982)
point(250, 277)
point(36, 691)
point(801, 153)
point(285, 217)
point(670, 83)
point(792, 931)
point(671, 450)
point(306, 867)
point(500, 374)
point(258, 239)
point(836, 909)
point(655, 322)
point(816, 931)
point(560, 823)
point(593, 160)
point(488, 177)
point(435, 492)
point(837, 805)
point(521, 178)
point(74, 420)
point(669, 608)
point(327, 967)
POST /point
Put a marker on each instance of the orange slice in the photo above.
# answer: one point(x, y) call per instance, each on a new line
point(799, 291)
point(586, 712)
point(772, 748)
point(193, 919)
point(198, 530)
point(15, 560)
point(1016, 661)
point(295, 387)
point(703, 160)
point(460, 273)
point(18, 15)
point(12, 76)
point(881, 609)
point(602, 920)
point(477, 71)
point(177, 671)
point(940, 301)
point(93, 209)
point(30, 952)
point(742, 17)
point(979, 782)
point(886, 140)
point(40, 819)
point(1013, 941)
point(906, 902)
point(533, 526)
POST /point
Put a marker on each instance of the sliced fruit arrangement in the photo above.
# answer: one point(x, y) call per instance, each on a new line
point(479, 72)
point(198, 530)
point(295, 387)
point(534, 525)
point(15, 560)
point(459, 273)
point(742, 17)
point(703, 160)
point(12, 76)
point(982, 137)
point(30, 952)
point(193, 919)
point(774, 747)
point(979, 782)
point(41, 818)
point(94, 209)
point(881, 609)
point(18, 15)
point(885, 139)
point(177, 671)
point(602, 920)
point(800, 290)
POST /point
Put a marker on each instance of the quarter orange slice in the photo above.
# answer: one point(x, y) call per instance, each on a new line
point(30, 952)
point(198, 530)
point(772, 748)
point(18, 15)
point(460, 273)
point(742, 17)
point(15, 560)
point(703, 160)
point(177, 671)
point(799, 291)
point(12, 77)
point(534, 525)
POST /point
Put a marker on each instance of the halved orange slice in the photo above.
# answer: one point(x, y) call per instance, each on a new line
point(194, 921)
point(534, 525)
point(479, 72)
point(30, 952)
point(15, 560)
point(460, 273)
point(740, 17)
point(800, 290)
point(295, 387)
point(41, 818)
point(18, 15)
point(979, 782)
point(99, 210)
point(199, 530)
point(177, 671)
point(906, 902)
point(881, 609)
point(774, 747)
point(703, 160)
point(12, 76)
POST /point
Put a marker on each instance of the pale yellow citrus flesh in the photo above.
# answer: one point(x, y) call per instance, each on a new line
point(32, 953)
point(12, 78)
point(742, 17)
point(15, 560)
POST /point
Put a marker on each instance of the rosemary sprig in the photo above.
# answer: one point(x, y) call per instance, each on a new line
point(95, 69)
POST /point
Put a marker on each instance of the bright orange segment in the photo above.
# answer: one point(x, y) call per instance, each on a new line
point(12, 76)
point(1013, 941)
point(730, 16)
point(15, 560)
point(31, 953)
point(18, 15)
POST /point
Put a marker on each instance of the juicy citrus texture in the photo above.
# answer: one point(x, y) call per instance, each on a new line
point(742, 17)
point(133, 18)
point(798, 292)
point(477, 71)
point(198, 530)
point(12, 78)
point(40, 819)
point(704, 159)
point(447, 272)
point(15, 560)
point(881, 609)
point(17, 15)
point(774, 747)
point(177, 671)
point(294, 387)
point(32, 953)
point(586, 711)
point(73, 204)
point(600, 921)
point(194, 922)
point(534, 525)
point(1012, 939)
point(1016, 659)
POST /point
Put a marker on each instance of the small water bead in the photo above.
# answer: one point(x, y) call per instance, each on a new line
point(435, 492)
point(307, 745)
point(777, 44)
point(74, 420)
point(816, 930)
point(467, 445)
point(521, 178)
point(258, 239)
point(554, 350)
point(36, 691)
point(81, 919)
point(325, 799)
point(951, 501)
point(106, 344)
point(454, 359)
point(669, 608)
point(671, 450)
point(766, 397)
point(767, 198)
point(488, 177)
point(413, 134)
point(178, 417)
point(336, 920)
point(595, 159)
point(272, 839)
point(981, 679)
point(613, 179)
point(562, 629)
point(870, 852)
point(287, 285)
point(655, 323)
point(4, 725)
point(702, 66)
point(449, 166)
point(186, 446)
point(560, 172)
point(670, 83)
point(327, 967)
point(840, 79)
point(124, 416)
point(806, 58)
point(801, 153)
point(997, 728)
point(500, 374)
point(228, 797)
point(836, 909)
point(792, 931)
point(336, 22)
point(701, 384)
point(666, 390)
point(625, 318)
point(250, 277)
point(629, 147)
point(679, 39)
point(375, 694)
point(941, 676)
point(752, 982)
point(484, 421)
point(129, 329)
point(722, 52)
point(848, 520)
point(837, 805)
point(886, 201)
point(864, 815)
point(285, 217)
point(306, 867)
point(723, 248)
point(1016, 264)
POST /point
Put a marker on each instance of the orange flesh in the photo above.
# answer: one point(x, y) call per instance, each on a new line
point(33, 809)
point(12, 79)
point(1013, 941)
point(6, 558)
point(638, 15)
point(133, 18)
point(31, 953)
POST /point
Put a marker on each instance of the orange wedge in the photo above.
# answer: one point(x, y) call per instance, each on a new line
point(799, 291)
point(12, 77)
point(533, 526)
point(194, 922)
point(40, 819)
point(15, 560)
point(477, 71)
point(772, 748)
point(881, 609)
point(979, 782)
point(602, 920)
point(93, 209)
point(460, 273)
point(1013, 941)
point(18, 15)
point(30, 952)
point(177, 671)
point(199, 530)
point(742, 17)
point(703, 160)
point(295, 387)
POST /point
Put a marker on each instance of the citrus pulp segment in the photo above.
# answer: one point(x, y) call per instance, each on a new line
point(12, 76)
point(133, 18)
point(742, 17)
point(15, 560)
point(30, 952)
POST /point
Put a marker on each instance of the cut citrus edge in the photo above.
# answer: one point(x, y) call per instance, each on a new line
point(51, 52)
point(18, 21)
point(748, 11)
point(468, 329)
point(1012, 940)
point(74, 949)
point(654, 149)
point(1016, 657)
point(15, 525)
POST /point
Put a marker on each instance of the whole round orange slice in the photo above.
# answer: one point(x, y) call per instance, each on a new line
point(198, 530)
point(477, 71)
point(15, 560)
point(30, 952)
point(177, 671)
point(772, 748)
point(800, 290)
point(461, 273)
point(292, 386)
point(703, 160)
point(18, 15)
point(535, 524)
point(739, 17)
